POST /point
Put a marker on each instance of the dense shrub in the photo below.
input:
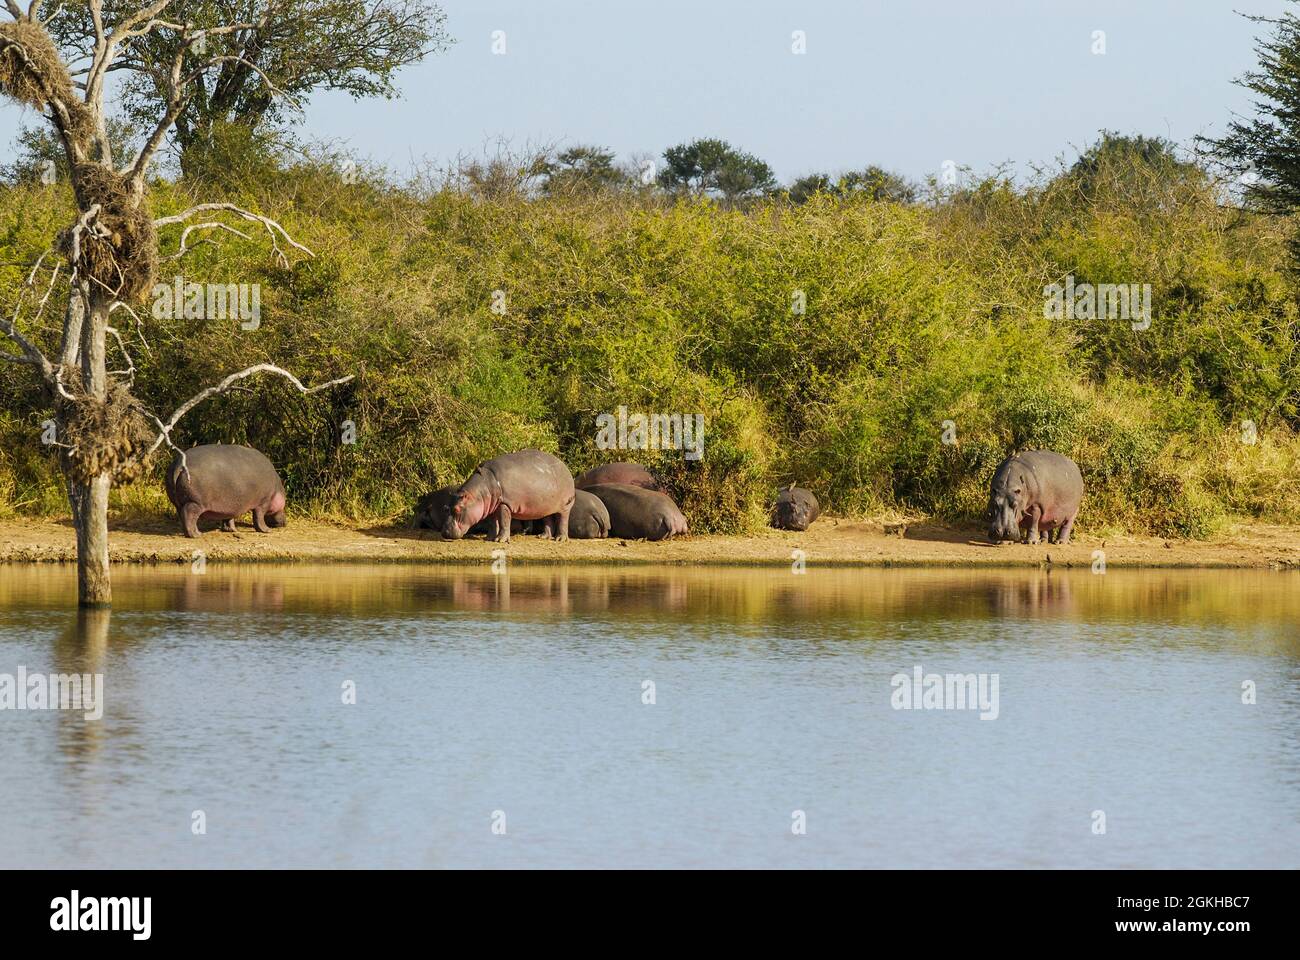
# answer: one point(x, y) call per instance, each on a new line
point(826, 343)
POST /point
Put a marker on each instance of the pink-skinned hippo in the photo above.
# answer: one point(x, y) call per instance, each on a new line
point(622, 472)
point(636, 513)
point(1032, 493)
point(222, 482)
point(432, 509)
point(527, 485)
point(795, 509)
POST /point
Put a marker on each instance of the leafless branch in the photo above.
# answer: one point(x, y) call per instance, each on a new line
point(226, 384)
point(272, 228)
point(211, 225)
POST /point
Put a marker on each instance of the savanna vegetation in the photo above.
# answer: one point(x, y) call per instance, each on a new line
point(883, 342)
point(826, 339)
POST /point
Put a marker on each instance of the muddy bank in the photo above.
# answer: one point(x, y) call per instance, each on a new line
point(830, 541)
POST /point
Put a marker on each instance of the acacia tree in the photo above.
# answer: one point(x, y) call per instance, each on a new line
point(355, 46)
point(106, 260)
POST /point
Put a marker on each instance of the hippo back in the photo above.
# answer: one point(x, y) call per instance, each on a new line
point(631, 473)
point(637, 513)
point(223, 478)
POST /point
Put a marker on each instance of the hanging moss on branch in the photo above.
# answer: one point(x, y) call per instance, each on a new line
point(104, 436)
point(32, 72)
point(118, 247)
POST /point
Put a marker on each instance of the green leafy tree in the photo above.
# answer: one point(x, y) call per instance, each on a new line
point(284, 50)
point(872, 183)
point(1137, 160)
point(716, 168)
point(582, 169)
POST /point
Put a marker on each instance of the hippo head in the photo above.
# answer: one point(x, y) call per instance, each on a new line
point(277, 519)
point(465, 511)
point(792, 515)
point(1007, 502)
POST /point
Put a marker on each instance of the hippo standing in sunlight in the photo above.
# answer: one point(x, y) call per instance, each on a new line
point(222, 482)
point(1034, 492)
point(527, 485)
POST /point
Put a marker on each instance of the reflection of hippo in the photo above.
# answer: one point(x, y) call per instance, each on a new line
point(795, 509)
point(1034, 491)
point(222, 482)
point(432, 509)
point(633, 473)
point(637, 513)
point(589, 519)
point(530, 485)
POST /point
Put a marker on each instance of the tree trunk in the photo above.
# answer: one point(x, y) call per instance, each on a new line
point(90, 517)
point(89, 501)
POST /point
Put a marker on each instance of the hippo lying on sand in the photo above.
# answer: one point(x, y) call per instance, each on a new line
point(1035, 491)
point(589, 520)
point(432, 509)
point(222, 482)
point(795, 509)
point(529, 485)
point(636, 513)
point(633, 473)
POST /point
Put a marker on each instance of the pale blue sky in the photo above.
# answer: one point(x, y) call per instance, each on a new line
point(906, 85)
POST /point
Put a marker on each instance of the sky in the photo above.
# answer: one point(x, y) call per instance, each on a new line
point(908, 85)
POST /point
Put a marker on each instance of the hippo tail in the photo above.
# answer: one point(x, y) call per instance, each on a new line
point(174, 481)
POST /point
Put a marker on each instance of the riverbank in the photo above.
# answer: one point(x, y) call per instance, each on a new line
point(829, 542)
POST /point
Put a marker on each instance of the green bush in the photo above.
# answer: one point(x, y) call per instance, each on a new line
point(835, 343)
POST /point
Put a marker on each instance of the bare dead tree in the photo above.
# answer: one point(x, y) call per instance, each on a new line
point(107, 259)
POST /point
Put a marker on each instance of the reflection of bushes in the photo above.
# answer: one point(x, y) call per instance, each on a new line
point(913, 315)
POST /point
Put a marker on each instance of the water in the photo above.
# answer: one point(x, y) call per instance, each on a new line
point(517, 701)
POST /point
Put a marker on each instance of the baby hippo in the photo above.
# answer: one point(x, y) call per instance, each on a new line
point(795, 509)
point(589, 520)
point(636, 513)
point(222, 482)
point(1035, 492)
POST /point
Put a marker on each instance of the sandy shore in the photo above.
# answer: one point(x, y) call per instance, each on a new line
point(830, 541)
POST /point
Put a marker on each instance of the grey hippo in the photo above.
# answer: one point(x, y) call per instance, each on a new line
point(621, 472)
point(222, 482)
point(795, 509)
point(1034, 493)
point(636, 513)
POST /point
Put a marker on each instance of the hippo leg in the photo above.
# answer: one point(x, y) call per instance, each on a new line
point(229, 525)
point(259, 521)
point(547, 529)
point(562, 522)
point(1033, 524)
point(189, 517)
point(503, 524)
point(1063, 535)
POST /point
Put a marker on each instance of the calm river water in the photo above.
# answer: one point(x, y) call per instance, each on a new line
point(634, 717)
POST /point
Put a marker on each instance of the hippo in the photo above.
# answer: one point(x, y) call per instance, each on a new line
point(636, 513)
point(633, 473)
point(528, 484)
point(431, 512)
point(795, 509)
point(222, 482)
point(589, 520)
point(1034, 491)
